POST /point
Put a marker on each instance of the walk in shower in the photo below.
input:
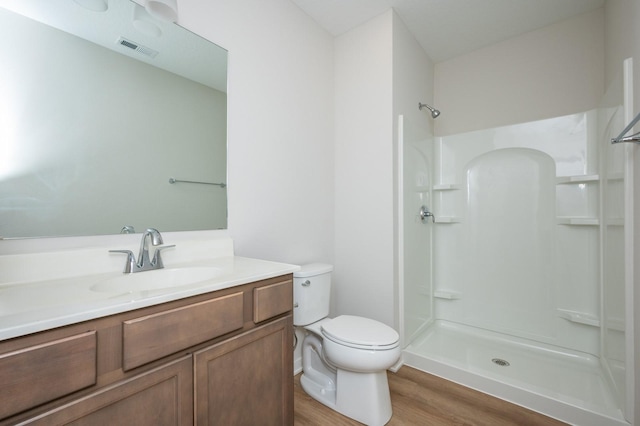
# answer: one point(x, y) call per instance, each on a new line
point(514, 284)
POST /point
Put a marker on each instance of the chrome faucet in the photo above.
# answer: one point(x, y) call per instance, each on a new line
point(128, 229)
point(144, 263)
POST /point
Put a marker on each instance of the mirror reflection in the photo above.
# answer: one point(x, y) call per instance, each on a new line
point(100, 109)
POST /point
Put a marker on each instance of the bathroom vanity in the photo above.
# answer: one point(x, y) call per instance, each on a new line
point(220, 352)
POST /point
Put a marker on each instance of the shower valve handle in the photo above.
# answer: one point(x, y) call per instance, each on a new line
point(425, 214)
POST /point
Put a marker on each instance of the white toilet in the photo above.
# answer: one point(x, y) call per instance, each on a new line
point(344, 360)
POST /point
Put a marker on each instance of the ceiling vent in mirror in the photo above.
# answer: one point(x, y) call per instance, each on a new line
point(137, 47)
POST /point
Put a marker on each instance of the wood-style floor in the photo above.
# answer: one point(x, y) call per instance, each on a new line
point(419, 398)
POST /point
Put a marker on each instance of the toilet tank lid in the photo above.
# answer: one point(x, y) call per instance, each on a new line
point(313, 269)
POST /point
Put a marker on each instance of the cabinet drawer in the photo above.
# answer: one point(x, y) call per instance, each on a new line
point(44, 372)
point(272, 300)
point(154, 336)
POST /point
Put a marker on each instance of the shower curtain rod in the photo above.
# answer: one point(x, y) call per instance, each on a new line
point(631, 138)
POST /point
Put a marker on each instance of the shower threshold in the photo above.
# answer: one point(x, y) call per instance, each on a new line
point(566, 385)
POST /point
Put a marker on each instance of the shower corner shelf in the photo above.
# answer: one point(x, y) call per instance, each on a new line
point(446, 219)
point(446, 294)
point(578, 221)
point(615, 176)
point(579, 317)
point(445, 187)
point(615, 324)
point(577, 179)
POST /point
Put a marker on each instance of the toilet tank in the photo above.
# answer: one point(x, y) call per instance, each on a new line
point(311, 293)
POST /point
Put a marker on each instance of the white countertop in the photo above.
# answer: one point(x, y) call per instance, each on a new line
point(29, 307)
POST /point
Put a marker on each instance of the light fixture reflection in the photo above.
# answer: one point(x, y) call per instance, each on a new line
point(167, 10)
point(144, 23)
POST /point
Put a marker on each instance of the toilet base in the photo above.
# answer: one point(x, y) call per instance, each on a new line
point(315, 390)
point(361, 396)
point(364, 397)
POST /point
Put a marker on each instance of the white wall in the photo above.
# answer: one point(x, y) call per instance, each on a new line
point(618, 18)
point(280, 125)
point(380, 72)
point(413, 74)
point(550, 72)
point(364, 184)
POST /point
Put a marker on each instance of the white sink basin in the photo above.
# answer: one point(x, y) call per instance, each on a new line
point(157, 279)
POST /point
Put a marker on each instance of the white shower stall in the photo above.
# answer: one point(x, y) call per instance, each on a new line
point(515, 284)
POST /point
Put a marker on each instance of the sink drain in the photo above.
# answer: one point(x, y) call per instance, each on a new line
point(500, 362)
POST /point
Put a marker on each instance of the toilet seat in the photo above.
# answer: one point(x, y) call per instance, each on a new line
point(360, 333)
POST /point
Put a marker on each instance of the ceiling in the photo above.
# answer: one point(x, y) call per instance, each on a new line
point(449, 28)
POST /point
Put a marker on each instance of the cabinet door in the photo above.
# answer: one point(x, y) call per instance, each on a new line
point(248, 379)
point(163, 396)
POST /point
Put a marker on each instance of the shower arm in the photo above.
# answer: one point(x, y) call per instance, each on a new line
point(434, 112)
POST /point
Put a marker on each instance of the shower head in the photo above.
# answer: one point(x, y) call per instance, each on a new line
point(434, 112)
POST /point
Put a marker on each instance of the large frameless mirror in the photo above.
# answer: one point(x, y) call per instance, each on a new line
point(110, 121)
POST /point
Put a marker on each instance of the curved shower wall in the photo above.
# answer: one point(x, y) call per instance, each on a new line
point(507, 232)
point(513, 255)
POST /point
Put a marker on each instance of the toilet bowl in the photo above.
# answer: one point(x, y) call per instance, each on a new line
point(344, 359)
point(360, 344)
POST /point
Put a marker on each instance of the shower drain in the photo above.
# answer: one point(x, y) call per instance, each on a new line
point(500, 362)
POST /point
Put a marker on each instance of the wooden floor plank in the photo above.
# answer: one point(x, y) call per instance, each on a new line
point(419, 398)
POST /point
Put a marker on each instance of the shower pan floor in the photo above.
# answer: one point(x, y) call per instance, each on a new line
point(563, 384)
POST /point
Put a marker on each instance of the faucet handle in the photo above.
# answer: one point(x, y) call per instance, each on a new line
point(128, 229)
point(157, 259)
point(131, 260)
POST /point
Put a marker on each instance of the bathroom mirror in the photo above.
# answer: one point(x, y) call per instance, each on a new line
point(101, 106)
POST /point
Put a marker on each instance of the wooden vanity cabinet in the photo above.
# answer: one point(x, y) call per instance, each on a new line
point(247, 375)
point(224, 358)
